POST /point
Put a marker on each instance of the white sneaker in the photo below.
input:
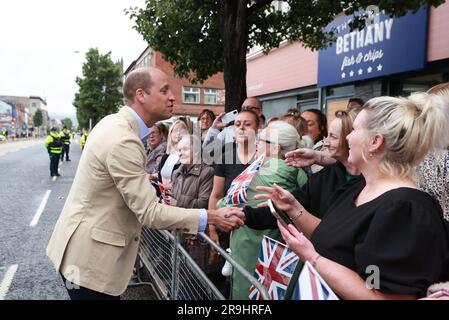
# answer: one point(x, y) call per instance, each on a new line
point(227, 268)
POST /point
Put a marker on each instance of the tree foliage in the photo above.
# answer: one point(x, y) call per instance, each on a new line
point(38, 118)
point(99, 88)
point(201, 38)
point(68, 123)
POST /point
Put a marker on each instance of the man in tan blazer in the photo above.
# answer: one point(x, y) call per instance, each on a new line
point(95, 240)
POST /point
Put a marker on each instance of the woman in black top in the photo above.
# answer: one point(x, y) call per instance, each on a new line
point(235, 158)
point(318, 190)
point(383, 238)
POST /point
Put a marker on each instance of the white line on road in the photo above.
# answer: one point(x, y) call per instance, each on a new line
point(40, 209)
point(7, 280)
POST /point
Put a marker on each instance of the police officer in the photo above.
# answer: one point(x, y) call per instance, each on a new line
point(53, 143)
point(83, 139)
point(65, 136)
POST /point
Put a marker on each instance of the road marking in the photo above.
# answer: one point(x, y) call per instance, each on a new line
point(7, 280)
point(40, 209)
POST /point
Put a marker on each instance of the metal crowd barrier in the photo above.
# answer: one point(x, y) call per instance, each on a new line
point(174, 273)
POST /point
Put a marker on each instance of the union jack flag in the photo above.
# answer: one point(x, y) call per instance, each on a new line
point(311, 286)
point(239, 186)
point(274, 269)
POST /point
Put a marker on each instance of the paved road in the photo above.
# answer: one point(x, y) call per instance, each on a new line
point(25, 271)
point(25, 181)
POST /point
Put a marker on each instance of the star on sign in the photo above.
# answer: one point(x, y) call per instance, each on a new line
point(379, 67)
point(351, 73)
point(369, 69)
point(343, 75)
point(360, 72)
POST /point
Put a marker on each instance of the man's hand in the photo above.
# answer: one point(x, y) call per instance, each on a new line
point(218, 123)
point(227, 218)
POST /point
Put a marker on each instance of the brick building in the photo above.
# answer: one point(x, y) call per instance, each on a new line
point(190, 98)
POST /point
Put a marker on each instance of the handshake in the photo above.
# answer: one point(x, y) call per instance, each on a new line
point(227, 218)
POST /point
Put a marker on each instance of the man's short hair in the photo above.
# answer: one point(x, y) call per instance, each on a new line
point(137, 79)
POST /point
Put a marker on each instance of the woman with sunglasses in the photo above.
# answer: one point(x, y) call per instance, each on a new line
point(272, 145)
point(317, 194)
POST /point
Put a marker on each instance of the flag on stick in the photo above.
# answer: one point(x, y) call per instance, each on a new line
point(274, 269)
point(239, 186)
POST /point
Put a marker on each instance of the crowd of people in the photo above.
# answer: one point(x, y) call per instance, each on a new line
point(369, 190)
point(352, 187)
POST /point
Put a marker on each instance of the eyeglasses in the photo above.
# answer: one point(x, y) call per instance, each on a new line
point(205, 119)
point(266, 141)
point(250, 108)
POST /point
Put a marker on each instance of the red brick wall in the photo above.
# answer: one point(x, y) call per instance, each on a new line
point(176, 84)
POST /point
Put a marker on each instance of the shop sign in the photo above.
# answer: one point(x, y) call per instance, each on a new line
point(385, 46)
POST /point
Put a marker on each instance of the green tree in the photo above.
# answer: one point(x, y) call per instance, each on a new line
point(38, 118)
point(201, 38)
point(99, 89)
point(68, 123)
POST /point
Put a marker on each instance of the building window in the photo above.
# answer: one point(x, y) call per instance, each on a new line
point(210, 96)
point(190, 95)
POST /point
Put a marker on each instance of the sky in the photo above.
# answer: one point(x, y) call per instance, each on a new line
point(43, 45)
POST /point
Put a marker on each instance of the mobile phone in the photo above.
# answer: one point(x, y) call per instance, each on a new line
point(229, 117)
point(281, 215)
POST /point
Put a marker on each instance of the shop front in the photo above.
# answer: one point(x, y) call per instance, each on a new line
point(391, 56)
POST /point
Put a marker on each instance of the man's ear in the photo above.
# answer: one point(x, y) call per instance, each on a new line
point(140, 95)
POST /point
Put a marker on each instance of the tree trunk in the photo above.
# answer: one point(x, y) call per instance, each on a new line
point(235, 42)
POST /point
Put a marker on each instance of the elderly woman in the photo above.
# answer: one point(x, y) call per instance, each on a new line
point(273, 142)
point(192, 185)
point(157, 145)
point(385, 225)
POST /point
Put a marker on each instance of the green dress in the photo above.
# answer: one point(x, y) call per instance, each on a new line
point(245, 242)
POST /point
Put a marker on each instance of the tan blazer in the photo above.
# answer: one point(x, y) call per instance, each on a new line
point(95, 240)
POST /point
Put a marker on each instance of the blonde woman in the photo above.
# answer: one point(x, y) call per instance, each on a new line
point(170, 161)
point(374, 243)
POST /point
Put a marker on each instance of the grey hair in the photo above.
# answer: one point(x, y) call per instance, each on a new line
point(287, 137)
point(195, 145)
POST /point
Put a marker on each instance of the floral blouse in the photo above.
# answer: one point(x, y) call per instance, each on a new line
point(433, 178)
